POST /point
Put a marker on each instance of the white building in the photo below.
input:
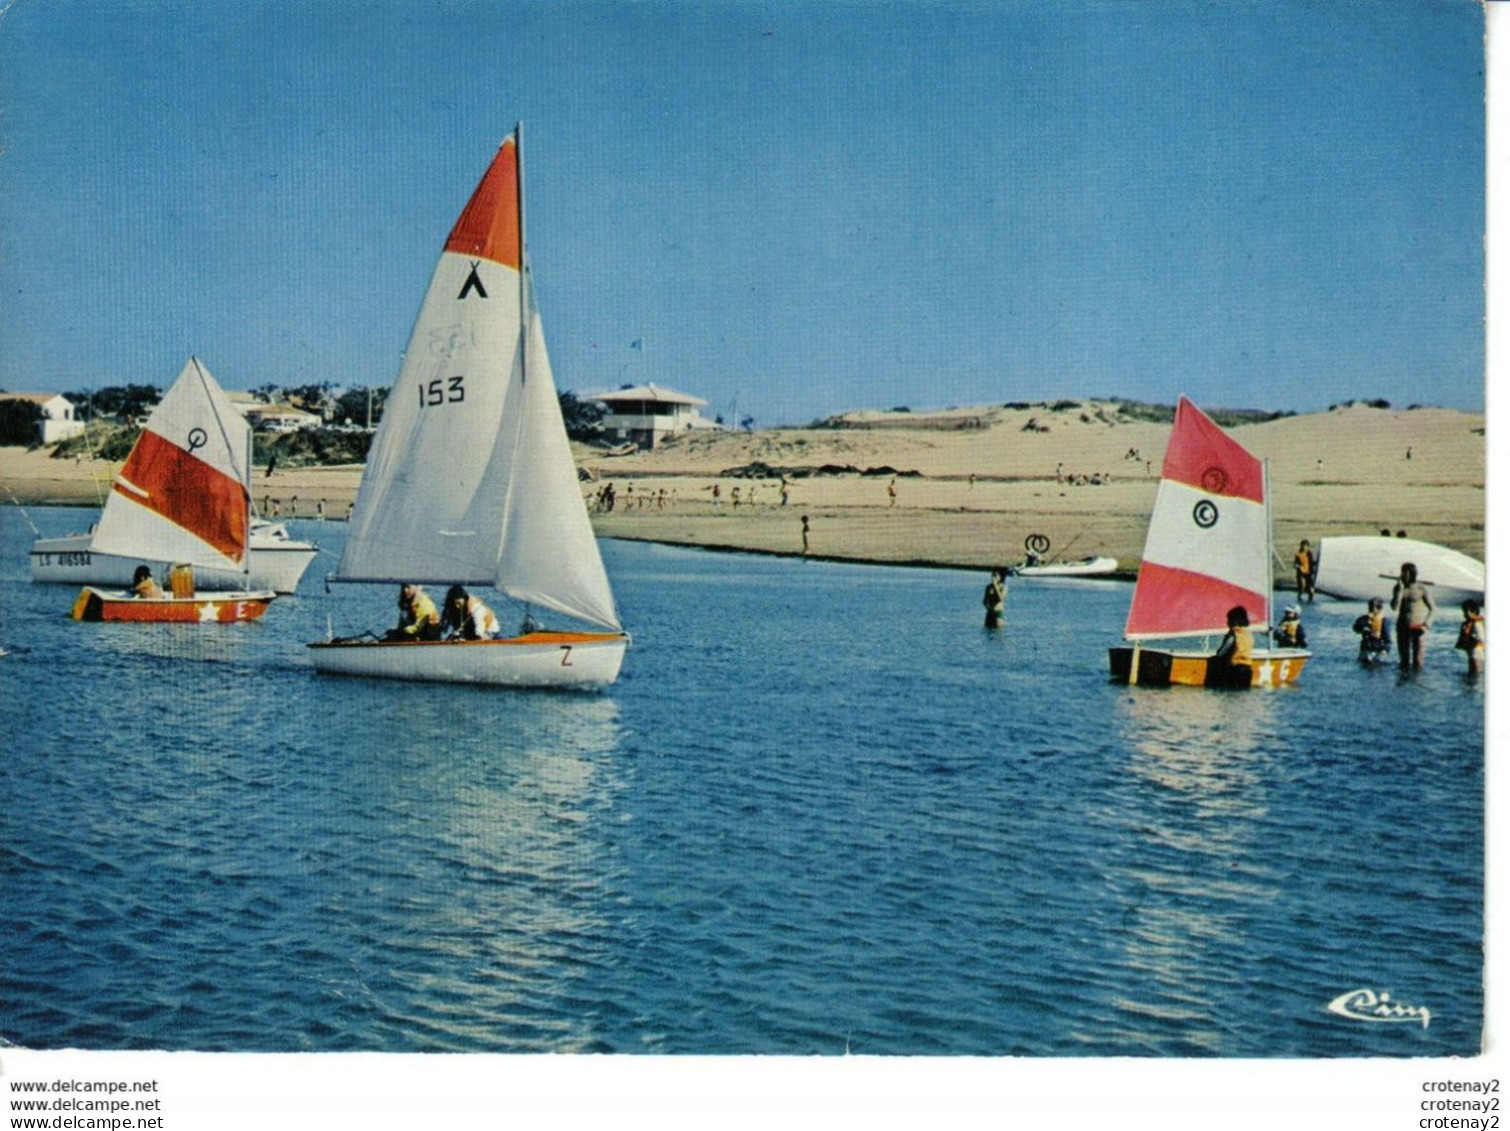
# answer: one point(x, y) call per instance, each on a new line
point(58, 418)
point(277, 417)
point(647, 414)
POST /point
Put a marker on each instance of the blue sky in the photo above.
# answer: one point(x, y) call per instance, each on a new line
point(798, 208)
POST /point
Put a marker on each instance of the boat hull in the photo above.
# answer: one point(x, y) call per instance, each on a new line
point(1164, 667)
point(1357, 567)
point(203, 608)
point(276, 563)
point(537, 659)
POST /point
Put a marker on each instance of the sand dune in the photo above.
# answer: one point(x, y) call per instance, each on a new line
point(1339, 472)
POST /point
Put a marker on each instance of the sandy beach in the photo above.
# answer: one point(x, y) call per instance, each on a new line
point(971, 484)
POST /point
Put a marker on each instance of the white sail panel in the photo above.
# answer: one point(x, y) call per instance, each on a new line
point(549, 555)
point(182, 494)
point(428, 509)
point(1220, 537)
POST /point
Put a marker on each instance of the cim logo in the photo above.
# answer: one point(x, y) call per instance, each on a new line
point(1366, 1005)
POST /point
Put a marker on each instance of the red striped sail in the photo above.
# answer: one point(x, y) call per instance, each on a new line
point(209, 504)
point(1208, 537)
point(182, 495)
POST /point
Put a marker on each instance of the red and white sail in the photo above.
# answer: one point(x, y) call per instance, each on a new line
point(182, 495)
point(1208, 543)
point(470, 479)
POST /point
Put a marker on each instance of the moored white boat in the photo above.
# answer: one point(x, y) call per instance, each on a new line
point(1209, 551)
point(278, 562)
point(471, 480)
point(1357, 567)
point(1082, 567)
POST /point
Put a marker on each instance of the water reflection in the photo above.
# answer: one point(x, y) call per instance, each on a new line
point(483, 894)
point(1189, 804)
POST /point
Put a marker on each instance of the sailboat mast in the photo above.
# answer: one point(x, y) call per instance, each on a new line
point(1269, 557)
point(524, 267)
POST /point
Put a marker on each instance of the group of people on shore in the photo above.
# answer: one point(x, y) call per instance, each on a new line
point(463, 617)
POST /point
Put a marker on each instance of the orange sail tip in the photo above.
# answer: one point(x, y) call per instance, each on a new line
point(489, 225)
point(1202, 456)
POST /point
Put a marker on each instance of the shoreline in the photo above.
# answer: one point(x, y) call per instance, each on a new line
point(964, 498)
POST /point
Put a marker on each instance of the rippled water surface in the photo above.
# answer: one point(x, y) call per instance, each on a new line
point(823, 810)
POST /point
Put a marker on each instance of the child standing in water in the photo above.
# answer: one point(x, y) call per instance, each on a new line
point(1471, 637)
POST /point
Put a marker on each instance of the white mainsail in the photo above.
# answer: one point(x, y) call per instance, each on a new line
point(182, 495)
point(471, 479)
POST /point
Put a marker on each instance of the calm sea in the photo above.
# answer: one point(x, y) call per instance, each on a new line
point(822, 811)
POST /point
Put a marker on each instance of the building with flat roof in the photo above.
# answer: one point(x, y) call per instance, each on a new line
point(646, 414)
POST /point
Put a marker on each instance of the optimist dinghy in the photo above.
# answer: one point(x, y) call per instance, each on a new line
point(182, 497)
point(1209, 549)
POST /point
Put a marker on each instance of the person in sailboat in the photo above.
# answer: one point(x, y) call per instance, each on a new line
point(1233, 663)
point(1290, 633)
point(466, 618)
point(1373, 632)
point(143, 584)
point(417, 618)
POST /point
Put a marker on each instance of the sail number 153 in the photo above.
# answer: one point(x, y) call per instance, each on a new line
point(442, 390)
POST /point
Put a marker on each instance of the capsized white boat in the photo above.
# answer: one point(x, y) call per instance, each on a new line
point(1209, 549)
point(471, 480)
point(182, 497)
point(277, 562)
point(1081, 567)
point(1357, 567)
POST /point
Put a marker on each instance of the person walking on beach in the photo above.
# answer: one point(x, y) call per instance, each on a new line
point(1305, 572)
point(804, 535)
point(1471, 637)
point(1413, 603)
point(1373, 632)
point(891, 493)
point(995, 598)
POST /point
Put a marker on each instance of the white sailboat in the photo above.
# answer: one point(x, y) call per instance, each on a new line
point(182, 497)
point(1209, 550)
point(471, 480)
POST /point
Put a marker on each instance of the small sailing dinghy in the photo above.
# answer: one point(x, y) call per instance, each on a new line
point(471, 480)
point(1209, 549)
point(182, 497)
